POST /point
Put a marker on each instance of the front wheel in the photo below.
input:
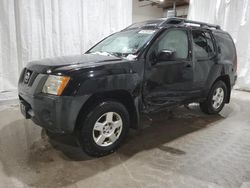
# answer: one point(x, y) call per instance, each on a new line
point(216, 98)
point(104, 128)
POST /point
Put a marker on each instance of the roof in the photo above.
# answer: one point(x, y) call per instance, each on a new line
point(164, 22)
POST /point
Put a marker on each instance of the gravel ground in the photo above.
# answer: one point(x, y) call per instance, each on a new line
point(183, 149)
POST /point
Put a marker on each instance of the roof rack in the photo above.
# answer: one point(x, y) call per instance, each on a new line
point(168, 21)
point(175, 20)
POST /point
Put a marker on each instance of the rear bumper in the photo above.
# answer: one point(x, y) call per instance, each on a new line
point(54, 113)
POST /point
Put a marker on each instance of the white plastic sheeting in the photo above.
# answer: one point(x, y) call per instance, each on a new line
point(234, 17)
point(34, 29)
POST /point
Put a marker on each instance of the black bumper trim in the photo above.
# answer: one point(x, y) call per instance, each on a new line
point(55, 113)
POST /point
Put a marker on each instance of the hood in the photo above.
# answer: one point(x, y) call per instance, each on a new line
point(70, 62)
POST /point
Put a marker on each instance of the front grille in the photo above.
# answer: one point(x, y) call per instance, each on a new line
point(29, 77)
point(32, 78)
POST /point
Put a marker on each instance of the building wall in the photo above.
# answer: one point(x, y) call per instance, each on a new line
point(181, 11)
point(146, 12)
point(32, 30)
point(233, 17)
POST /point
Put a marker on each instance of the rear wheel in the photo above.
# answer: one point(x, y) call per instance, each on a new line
point(216, 98)
point(104, 128)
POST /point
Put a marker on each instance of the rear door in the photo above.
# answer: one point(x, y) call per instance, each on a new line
point(204, 57)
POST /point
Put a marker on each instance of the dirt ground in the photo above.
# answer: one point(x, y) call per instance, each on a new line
point(184, 149)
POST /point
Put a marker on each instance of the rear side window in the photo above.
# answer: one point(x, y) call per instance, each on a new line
point(226, 47)
point(210, 45)
point(203, 46)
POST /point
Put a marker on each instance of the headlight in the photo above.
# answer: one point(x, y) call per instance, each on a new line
point(55, 84)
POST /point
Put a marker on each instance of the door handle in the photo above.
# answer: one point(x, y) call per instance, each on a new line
point(188, 65)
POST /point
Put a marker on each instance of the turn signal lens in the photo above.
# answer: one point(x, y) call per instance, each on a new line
point(64, 83)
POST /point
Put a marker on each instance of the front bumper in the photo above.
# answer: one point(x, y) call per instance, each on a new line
point(55, 113)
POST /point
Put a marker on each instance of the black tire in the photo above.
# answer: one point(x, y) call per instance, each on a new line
point(87, 124)
point(207, 105)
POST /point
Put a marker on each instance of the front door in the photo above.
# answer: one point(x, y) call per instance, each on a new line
point(168, 82)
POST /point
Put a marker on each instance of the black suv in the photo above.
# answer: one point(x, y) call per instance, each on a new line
point(145, 68)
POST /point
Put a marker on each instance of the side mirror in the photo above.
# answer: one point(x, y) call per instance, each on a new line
point(166, 55)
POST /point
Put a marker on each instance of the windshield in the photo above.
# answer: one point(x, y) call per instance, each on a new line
point(123, 43)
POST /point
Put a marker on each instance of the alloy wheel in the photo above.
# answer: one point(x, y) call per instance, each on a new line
point(218, 98)
point(107, 129)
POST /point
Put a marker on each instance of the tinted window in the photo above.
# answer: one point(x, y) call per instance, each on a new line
point(202, 45)
point(175, 40)
point(210, 45)
point(226, 46)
